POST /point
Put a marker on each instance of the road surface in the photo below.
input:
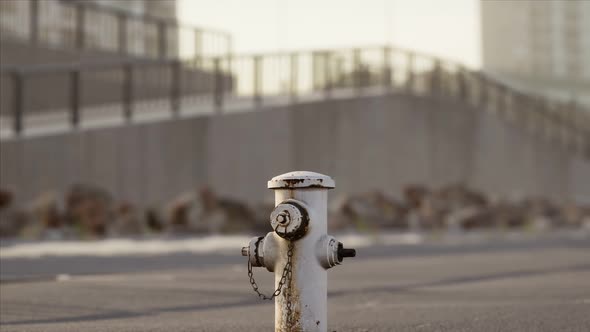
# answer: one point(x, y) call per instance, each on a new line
point(528, 284)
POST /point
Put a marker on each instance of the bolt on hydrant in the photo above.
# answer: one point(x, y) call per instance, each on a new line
point(298, 251)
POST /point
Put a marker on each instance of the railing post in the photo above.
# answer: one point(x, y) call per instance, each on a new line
point(162, 39)
point(436, 79)
point(512, 106)
point(586, 137)
point(461, 78)
point(128, 92)
point(411, 58)
point(257, 70)
point(529, 115)
point(515, 106)
point(75, 98)
point(294, 72)
point(537, 116)
point(508, 101)
point(573, 125)
point(198, 46)
point(387, 68)
point(34, 21)
point(80, 23)
point(357, 68)
point(498, 98)
point(565, 124)
point(18, 82)
point(524, 112)
point(577, 128)
point(547, 123)
point(217, 85)
point(563, 128)
point(554, 119)
point(327, 75)
point(503, 104)
point(175, 76)
point(314, 71)
point(229, 45)
point(482, 91)
point(122, 32)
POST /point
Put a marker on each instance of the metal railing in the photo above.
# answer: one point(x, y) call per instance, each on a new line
point(84, 25)
point(214, 84)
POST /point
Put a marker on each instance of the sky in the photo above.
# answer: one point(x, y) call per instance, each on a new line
point(448, 28)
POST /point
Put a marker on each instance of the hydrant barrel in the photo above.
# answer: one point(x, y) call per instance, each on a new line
point(304, 308)
point(299, 251)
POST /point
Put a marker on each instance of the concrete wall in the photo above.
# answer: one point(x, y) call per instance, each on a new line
point(142, 163)
point(364, 143)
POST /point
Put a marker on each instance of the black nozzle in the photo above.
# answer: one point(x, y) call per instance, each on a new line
point(345, 252)
point(348, 252)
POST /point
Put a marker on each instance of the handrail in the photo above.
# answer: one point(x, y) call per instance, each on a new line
point(46, 68)
point(258, 76)
point(117, 35)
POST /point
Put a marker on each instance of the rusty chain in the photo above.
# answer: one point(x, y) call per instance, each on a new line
point(286, 277)
point(289, 304)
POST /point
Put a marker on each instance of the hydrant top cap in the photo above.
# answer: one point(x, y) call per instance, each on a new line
point(301, 179)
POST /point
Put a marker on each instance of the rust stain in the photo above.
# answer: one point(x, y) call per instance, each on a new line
point(315, 186)
point(296, 304)
point(295, 312)
point(295, 298)
point(292, 183)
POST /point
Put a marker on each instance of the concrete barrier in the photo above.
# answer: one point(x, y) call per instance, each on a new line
point(366, 143)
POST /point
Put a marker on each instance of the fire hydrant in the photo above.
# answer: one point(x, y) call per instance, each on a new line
point(298, 251)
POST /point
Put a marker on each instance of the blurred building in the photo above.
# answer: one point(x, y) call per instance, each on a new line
point(539, 46)
point(57, 22)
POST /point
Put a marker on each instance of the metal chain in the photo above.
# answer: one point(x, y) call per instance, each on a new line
point(289, 321)
point(286, 277)
point(286, 273)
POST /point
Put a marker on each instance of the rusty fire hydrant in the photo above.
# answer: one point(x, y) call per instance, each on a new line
point(298, 251)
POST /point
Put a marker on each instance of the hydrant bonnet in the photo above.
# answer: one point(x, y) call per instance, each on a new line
point(301, 179)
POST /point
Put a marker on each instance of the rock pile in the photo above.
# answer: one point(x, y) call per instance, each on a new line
point(454, 207)
point(87, 212)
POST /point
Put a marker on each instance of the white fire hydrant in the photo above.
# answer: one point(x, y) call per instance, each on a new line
point(298, 251)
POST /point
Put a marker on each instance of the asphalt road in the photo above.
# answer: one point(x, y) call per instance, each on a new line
point(533, 284)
